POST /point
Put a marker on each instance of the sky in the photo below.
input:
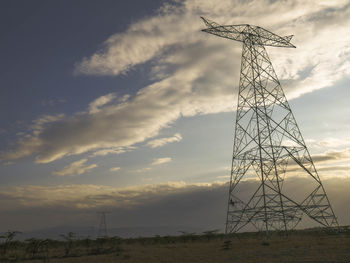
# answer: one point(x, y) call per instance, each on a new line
point(126, 106)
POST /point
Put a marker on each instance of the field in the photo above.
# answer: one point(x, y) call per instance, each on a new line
point(298, 247)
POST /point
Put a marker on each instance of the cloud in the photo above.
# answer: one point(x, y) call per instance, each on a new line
point(331, 156)
point(330, 164)
point(344, 168)
point(329, 142)
point(95, 106)
point(315, 65)
point(171, 204)
point(41, 206)
point(75, 168)
point(163, 141)
point(106, 151)
point(39, 124)
point(92, 196)
point(192, 72)
point(161, 161)
point(142, 170)
point(114, 169)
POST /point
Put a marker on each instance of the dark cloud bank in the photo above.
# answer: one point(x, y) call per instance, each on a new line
point(199, 207)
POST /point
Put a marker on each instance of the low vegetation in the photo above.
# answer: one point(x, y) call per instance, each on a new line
point(314, 245)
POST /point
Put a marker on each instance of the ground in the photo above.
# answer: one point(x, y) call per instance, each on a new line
point(298, 248)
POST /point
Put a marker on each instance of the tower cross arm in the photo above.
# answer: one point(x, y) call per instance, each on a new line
point(258, 35)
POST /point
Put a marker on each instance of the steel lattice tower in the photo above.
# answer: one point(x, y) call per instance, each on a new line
point(268, 144)
point(102, 229)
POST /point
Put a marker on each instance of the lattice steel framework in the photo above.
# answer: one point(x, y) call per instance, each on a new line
point(102, 229)
point(268, 144)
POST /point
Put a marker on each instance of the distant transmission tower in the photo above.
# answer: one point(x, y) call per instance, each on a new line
point(102, 230)
point(268, 144)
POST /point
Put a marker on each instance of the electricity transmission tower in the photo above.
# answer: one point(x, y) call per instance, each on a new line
point(268, 144)
point(102, 230)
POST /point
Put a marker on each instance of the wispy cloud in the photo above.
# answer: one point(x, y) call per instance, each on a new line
point(40, 123)
point(329, 142)
point(163, 141)
point(311, 67)
point(95, 106)
point(114, 169)
point(161, 161)
point(141, 170)
point(345, 168)
point(106, 151)
point(331, 156)
point(75, 168)
point(185, 83)
point(329, 164)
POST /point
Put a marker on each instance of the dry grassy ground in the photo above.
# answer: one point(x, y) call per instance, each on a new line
point(316, 248)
